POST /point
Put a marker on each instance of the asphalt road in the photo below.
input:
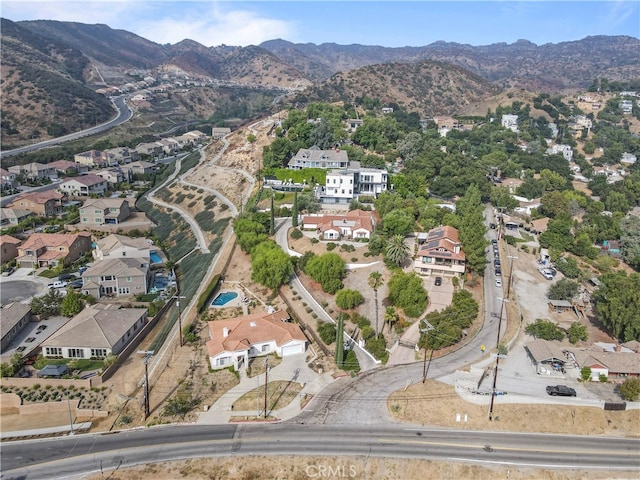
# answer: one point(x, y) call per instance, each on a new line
point(76, 456)
point(18, 290)
point(124, 114)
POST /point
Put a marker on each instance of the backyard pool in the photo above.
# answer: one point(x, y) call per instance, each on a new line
point(224, 298)
point(155, 258)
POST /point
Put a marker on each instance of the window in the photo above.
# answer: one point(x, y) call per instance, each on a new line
point(98, 352)
point(75, 352)
point(123, 291)
point(129, 279)
point(106, 278)
point(52, 352)
point(266, 348)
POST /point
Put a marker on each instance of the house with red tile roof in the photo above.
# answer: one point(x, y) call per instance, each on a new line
point(234, 341)
point(47, 203)
point(50, 249)
point(84, 185)
point(8, 248)
point(356, 224)
point(441, 254)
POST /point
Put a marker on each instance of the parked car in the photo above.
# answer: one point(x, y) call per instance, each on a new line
point(561, 391)
point(76, 283)
point(498, 272)
point(498, 282)
point(8, 271)
point(438, 281)
point(493, 226)
point(58, 284)
point(66, 276)
point(81, 270)
point(494, 242)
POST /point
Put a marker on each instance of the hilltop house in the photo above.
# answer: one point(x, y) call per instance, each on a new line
point(96, 158)
point(315, 158)
point(51, 249)
point(65, 167)
point(120, 246)
point(441, 254)
point(95, 332)
point(234, 340)
point(355, 224)
point(342, 186)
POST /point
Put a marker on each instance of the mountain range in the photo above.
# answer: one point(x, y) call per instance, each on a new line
point(51, 69)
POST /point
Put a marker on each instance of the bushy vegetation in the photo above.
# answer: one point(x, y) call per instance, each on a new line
point(348, 299)
point(450, 323)
point(205, 296)
point(544, 329)
point(328, 270)
point(327, 332)
point(630, 389)
point(406, 291)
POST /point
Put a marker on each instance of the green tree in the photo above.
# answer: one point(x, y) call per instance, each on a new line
point(348, 299)
point(585, 374)
point(397, 250)
point(48, 304)
point(577, 332)
point(398, 222)
point(375, 281)
point(327, 332)
point(340, 342)
point(617, 303)
point(406, 291)
point(328, 270)
point(272, 219)
point(390, 317)
point(472, 231)
point(249, 233)
point(563, 289)
point(630, 389)
point(270, 266)
point(71, 304)
point(180, 405)
point(630, 239)
point(545, 329)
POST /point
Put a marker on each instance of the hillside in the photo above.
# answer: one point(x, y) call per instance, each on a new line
point(429, 88)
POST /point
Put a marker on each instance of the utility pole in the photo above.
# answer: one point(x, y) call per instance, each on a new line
point(147, 355)
point(266, 383)
point(178, 297)
point(511, 258)
point(425, 330)
point(495, 371)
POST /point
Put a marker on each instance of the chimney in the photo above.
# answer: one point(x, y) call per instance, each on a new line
point(225, 332)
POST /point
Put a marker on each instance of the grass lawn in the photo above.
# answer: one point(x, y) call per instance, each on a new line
point(72, 363)
point(281, 393)
point(48, 274)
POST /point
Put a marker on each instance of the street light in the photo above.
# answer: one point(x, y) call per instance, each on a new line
point(178, 297)
point(71, 431)
point(147, 355)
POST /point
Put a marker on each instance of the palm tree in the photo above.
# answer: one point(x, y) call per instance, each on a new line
point(397, 251)
point(390, 316)
point(375, 281)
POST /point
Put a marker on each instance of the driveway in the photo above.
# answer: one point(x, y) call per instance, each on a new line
point(22, 285)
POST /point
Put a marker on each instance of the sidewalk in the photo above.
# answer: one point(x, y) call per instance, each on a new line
point(293, 367)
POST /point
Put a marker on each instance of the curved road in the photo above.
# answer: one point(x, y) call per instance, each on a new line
point(77, 456)
point(124, 114)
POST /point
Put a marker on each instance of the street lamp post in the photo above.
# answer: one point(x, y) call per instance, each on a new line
point(178, 297)
point(71, 431)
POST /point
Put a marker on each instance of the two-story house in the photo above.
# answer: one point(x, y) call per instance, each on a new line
point(95, 158)
point(112, 175)
point(8, 248)
point(120, 246)
point(151, 149)
point(84, 185)
point(123, 155)
point(342, 186)
point(355, 224)
point(47, 203)
point(169, 146)
point(96, 332)
point(34, 171)
point(13, 216)
point(7, 179)
point(65, 167)
point(51, 249)
point(104, 211)
point(441, 254)
point(138, 168)
point(316, 158)
point(117, 277)
point(510, 122)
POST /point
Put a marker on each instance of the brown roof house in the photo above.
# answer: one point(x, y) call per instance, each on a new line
point(13, 216)
point(235, 340)
point(314, 157)
point(117, 277)
point(104, 211)
point(121, 246)
point(8, 248)
point(95, 333)
point(13, 318)
point(441, 254)
point(51, 249)
point(356, 224)
point(84, 185)
point(616, 364)
point(47, 203)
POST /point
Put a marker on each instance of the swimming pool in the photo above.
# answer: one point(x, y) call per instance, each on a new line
point(155, 258)
point(224, 298)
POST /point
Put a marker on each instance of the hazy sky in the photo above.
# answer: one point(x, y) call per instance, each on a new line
point(385, 23)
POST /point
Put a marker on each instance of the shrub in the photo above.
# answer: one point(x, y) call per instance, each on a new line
point(327, 332)
point(603, 378)
point(331, 246)
point(544, 329)
point(296, 234)
point(347, 299)
point(207, 294)
point(585, 374)
point(314, 240)
point(630, 389)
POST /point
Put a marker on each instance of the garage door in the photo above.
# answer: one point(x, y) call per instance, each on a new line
point(292, 349)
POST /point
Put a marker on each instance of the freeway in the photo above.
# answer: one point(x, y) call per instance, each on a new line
point(124, 114)
point(75, 456)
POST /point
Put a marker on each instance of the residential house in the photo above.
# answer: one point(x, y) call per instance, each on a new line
point(441, 254)
point(96, 158)
point(13, 318)
point(626, 106)
point(7, 179)
point(119, 246)
point(618, 363)
point(123, 155)
point(34, 171)
point(315, 158)
point(355, 224)
point(235, 340)
point(539, 225)
point(47, 203)
point(565, 150)
point(353, 124)
point(117, 277)
point(8, 248)
point(547, 357)
point(447, 122)
point(111, 175)
point(65, 167)
point(219, 132)
point(386, 110)
point(51, 249)
point(342, 186)
point(95, 333)
point(628, 158)
point(510, 122)
point(138, 168)
point(84, 185)
point(169, 146)
point(151, 149)
point(104, 211)
point(525, 206)
point(13, 216)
